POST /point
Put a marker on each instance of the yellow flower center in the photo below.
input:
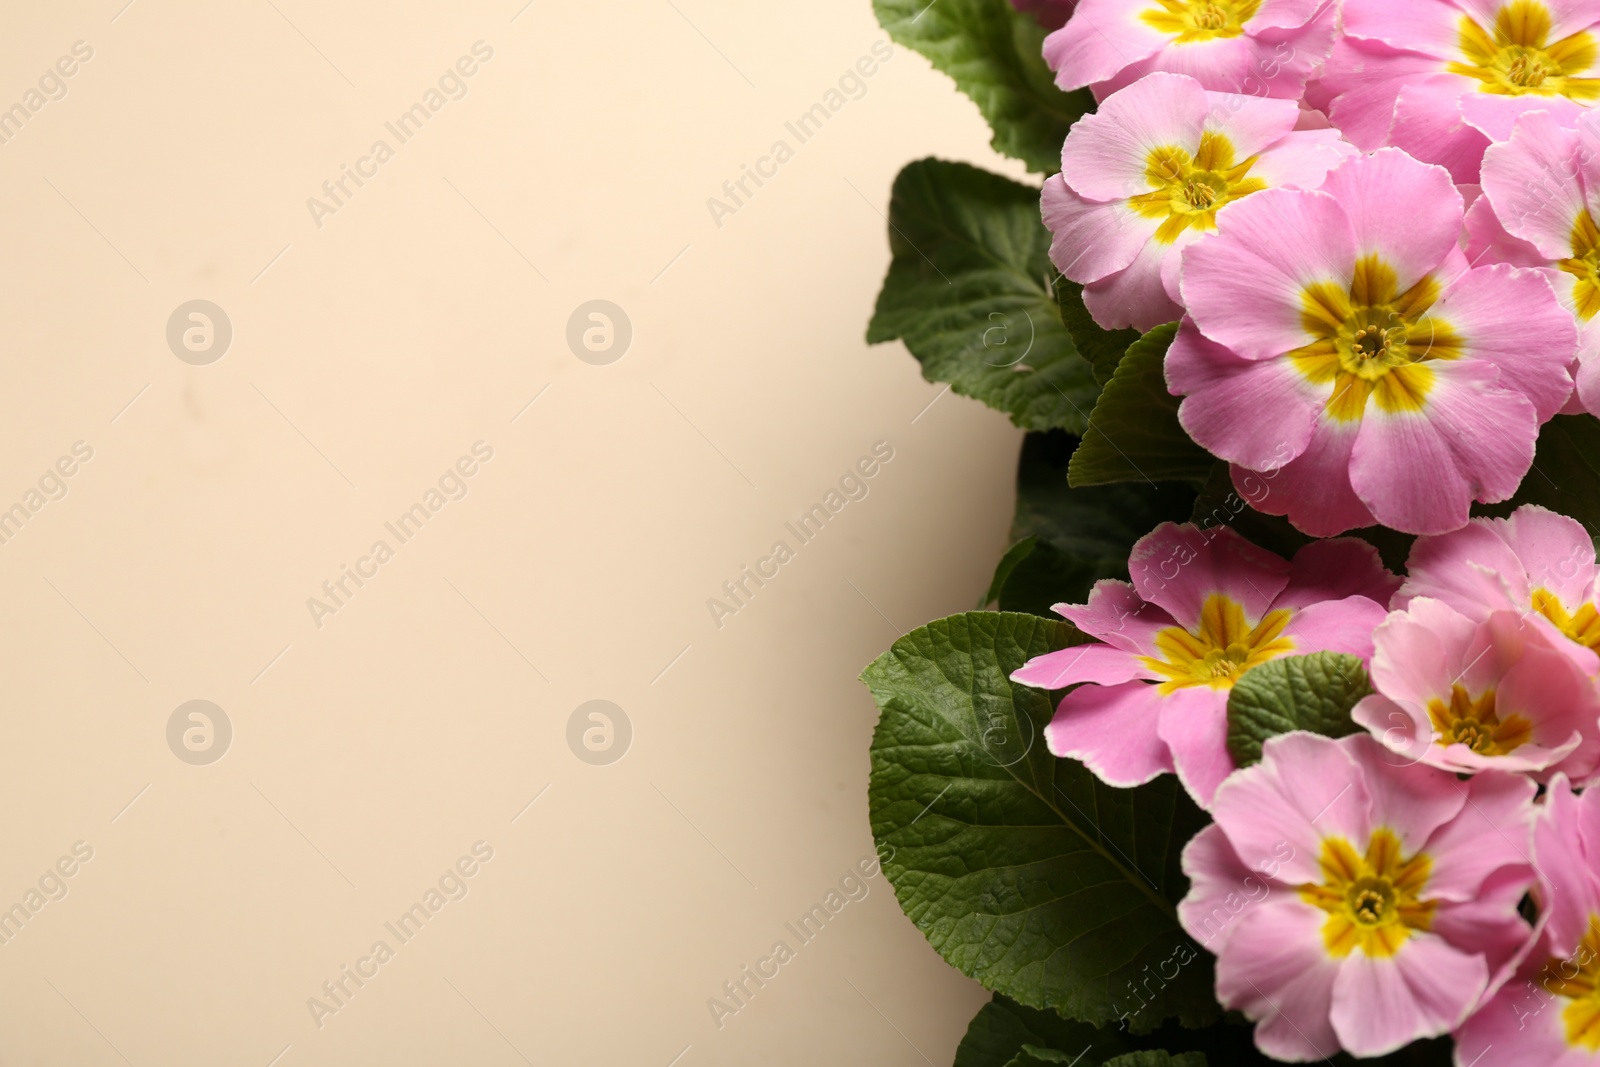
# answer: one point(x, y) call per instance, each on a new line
point(1582, 626)
point(1188, 21)
point(1577, 977)
point(1373, 901)
point(1224, 647)
point(1584, 265)
point(1188, 191)
point(1518, 58)
point(1373, 341)
point(1476, 723)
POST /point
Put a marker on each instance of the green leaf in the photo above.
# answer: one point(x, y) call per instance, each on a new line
point(1006, 567)
point(1031, 1056)
point(1314, 693)
point(967, 292)
point(1566, 472)
point(1079, 535)
point(995, 56)
point(1097, 524)
point(1045, 578)
point(1102, 348)
point(1003, 1028)
point(1023, 870)
point(1133, 433)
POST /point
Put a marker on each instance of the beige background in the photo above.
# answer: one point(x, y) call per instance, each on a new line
point(368, 354)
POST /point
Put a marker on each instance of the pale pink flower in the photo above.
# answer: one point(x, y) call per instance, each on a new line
point(1204, 607)
point(1147, 173)
point(1444, 78)
point(1402, 384)
point(1355, 901)
point(1542, 189)
point(1259, 47)
point(1465, 695)
point(1548, 1015)
point(1535, 562)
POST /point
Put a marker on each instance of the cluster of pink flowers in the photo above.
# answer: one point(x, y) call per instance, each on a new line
point(1376, 219)
point(1377, 223)
point(1363, 893)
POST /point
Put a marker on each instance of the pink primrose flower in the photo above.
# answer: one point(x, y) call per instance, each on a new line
point(1541, 188)
point(1147, 174)
point(1535, 562)
point(1548, 1015)
point(1204, 607)
point(1355, 901)
point(1259, 47)
point(1340, 338)
point(1444, 78)
point(1465, 695)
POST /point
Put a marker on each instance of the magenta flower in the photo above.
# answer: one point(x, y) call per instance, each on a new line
point(1204, 607)
point(1147, 173)
point(1358, 902)
point(1465, 695)
point(1402, 383)
point(1444, 78)
point(1541, 188)
point(1549, 1015)
point(1259, 47)
point(1536, 563)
